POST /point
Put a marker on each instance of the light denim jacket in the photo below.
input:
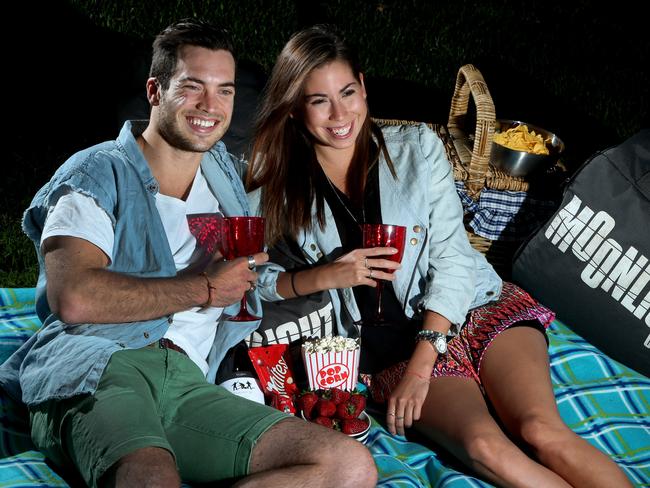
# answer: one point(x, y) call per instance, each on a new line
point(440, 270)
point(62, 360)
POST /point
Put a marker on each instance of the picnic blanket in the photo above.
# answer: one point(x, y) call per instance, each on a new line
point(603, 401)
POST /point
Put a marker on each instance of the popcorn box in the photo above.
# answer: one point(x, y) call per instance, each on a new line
point(331, 362)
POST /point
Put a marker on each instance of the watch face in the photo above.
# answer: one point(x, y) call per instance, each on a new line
point(441, 345)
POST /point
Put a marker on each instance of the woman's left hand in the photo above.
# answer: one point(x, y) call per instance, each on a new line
point(405, 402)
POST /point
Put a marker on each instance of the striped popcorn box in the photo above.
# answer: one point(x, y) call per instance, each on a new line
point(331, 362)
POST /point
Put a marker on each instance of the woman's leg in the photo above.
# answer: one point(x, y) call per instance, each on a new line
point(515, 375)
point(456, 416)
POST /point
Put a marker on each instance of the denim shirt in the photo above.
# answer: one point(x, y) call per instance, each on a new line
point(62, 360)
point(440, 270)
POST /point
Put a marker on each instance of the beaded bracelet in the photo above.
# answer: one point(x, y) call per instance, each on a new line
point(210, 288)
point(293, 285)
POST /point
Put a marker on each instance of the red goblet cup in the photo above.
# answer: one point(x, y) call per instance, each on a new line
point(243, 236)
point(384, 235)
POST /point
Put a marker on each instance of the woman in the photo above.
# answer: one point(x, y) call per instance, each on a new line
point(320, 168)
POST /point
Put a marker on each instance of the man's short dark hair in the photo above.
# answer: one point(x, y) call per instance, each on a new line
point(182, 33)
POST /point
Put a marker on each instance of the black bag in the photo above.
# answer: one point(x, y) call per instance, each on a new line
point(289, 321)
point(590, 262)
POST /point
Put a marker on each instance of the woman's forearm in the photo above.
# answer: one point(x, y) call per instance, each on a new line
point(424, 355)
point(305, 282)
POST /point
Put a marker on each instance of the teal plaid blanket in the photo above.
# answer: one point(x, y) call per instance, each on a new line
point(603, 401)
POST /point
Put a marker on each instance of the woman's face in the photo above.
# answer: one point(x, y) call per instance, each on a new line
point(334, 105)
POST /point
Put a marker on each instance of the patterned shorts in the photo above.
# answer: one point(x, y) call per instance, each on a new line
point(465, 351)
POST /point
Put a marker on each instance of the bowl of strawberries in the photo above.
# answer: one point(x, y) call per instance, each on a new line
point(336, 409)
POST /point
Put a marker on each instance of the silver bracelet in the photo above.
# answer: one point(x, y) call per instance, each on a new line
point(437, 339)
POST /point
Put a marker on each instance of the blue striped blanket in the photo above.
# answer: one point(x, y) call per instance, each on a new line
point(603, 401)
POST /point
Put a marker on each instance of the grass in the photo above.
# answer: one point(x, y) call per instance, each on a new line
point(579, 68)
point(18, 267)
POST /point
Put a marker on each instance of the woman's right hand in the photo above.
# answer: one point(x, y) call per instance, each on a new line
point(359, 267)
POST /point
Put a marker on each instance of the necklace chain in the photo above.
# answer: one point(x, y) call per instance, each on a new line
point(336, 192)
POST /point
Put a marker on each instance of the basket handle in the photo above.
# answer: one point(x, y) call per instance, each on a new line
point(470, 80)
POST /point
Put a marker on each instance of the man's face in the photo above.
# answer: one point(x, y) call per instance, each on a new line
point(195, 111)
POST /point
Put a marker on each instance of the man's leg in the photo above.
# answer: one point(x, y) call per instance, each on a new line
point(114, 437)
point(216, 435)
point(298, 453)
point(145, 467)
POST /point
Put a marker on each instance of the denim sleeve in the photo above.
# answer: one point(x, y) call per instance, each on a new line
point(451, 268)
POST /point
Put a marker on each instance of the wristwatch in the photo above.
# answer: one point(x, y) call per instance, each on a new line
point(437, 340)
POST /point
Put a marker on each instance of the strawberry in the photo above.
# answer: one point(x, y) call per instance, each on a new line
point(359, 399)
point(347, 410)
point(325, 422)
point(306, 403)
point(339, 396)
point(353, 426)
point(325, 408)
point(324, 394)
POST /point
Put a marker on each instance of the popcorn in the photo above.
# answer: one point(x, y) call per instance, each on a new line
point(331, 362)
point(331, 344)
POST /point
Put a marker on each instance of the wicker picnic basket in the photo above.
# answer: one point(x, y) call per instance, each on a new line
point(473, 166)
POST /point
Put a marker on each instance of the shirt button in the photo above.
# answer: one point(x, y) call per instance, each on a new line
point(146, 335)
point(414, 241)
point(319, 255)
point(489, 293)
point(313, 247)
point(170, 319)
point(417, 229)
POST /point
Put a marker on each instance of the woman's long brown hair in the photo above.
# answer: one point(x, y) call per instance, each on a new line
point(283, 161)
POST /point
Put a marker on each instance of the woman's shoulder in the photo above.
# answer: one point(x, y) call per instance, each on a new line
point(419, 136)
point(409, 133)
point(396, 131)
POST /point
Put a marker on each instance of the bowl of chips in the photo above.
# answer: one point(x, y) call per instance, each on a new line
point(520, 148)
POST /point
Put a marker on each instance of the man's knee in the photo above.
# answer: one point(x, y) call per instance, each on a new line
point(346, 461)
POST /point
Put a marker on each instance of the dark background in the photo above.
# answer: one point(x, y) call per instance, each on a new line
point(74, 69)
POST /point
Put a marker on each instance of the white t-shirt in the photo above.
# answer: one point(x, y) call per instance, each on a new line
point(78, 215)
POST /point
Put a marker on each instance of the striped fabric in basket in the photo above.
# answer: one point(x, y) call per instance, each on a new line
point(603, 401)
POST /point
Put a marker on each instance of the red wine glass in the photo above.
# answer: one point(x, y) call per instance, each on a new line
point(384, 235)
point(243, 236)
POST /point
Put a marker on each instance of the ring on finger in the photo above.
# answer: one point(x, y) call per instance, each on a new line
point(370, 275)
point(399, 418)
point(391, 414)
point(365, 261)
point(251, 262)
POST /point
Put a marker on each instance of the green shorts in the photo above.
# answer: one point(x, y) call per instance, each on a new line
point(153, 398)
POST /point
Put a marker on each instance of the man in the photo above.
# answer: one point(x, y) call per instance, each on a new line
point(133, 315)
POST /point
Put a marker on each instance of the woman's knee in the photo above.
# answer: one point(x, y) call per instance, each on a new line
point(544, 435)
point(486, 449)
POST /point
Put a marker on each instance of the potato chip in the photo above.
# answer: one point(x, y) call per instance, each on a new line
point(520, 138)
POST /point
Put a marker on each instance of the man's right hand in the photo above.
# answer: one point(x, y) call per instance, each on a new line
point(229, 280)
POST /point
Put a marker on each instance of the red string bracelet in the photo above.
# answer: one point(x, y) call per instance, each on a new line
point(421, 376)
point(210, 288)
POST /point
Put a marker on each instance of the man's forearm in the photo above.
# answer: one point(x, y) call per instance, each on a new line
point(101, 296)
